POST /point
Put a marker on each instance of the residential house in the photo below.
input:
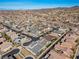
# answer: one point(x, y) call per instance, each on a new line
point(5, 46)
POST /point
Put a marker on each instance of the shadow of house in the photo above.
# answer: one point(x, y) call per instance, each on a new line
point(10, 55)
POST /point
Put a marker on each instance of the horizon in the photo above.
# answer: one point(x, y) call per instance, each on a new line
point(36, 4)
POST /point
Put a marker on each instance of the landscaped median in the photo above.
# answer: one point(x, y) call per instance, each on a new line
point(75, 55)
point(47, 45)
point(48, 49)
point(76, 49)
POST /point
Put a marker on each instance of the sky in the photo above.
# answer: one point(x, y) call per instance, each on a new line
point(36, 4)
